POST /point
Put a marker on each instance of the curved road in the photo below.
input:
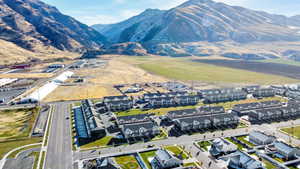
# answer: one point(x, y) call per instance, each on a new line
point(2, 162)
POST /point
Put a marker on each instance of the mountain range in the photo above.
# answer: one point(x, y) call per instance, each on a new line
point(196, 27)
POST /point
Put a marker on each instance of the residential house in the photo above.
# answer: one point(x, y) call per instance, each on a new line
point(241, 160)
point(187, 124)
point(121, 105)
point(100, 163)
point(259, 138)
point(115, 98)
point(140, 130)
point(287, 151)
point(133, 119)
point(224, 120)
point(221, 146)
point(186, 100)
point(164, 160)
point(251, 89)
point(264, 92)
point(162, 102)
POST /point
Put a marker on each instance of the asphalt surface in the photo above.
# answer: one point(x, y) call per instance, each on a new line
point(59, 149)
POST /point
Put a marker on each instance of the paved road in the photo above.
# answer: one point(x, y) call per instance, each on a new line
point(59, 150)
point(183, 140)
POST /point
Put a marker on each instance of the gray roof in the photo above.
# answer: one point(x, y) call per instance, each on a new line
point(133, 118)
point(137, 126)
point(163, 155)
point(260, 136)
point(283, 147)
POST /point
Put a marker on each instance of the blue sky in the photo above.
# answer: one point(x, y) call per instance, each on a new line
point(112, 11)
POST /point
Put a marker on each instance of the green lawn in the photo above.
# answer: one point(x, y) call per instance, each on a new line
point(127, 162)
point(268, 165)
point(190, 164)
point(177, 151)
point(103, 142)
point(13, 155)
point(146, 155)
point(204, 145)
point(36, 159)
point(10, 145)
point(293, 131)
point(158, 112)
point(243, 139)
point(240, 147)
point(186, 70)
point(43, 159)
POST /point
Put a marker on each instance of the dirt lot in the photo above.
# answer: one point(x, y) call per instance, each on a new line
point(260, 67)
point(99, 82)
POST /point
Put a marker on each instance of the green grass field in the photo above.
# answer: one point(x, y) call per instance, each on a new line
point(127, 162)
point(184, 69)
point(293, 131)
point(282, 61)
point(103, 142)
point(9, 145)
point(146, 155)
point(243, 139)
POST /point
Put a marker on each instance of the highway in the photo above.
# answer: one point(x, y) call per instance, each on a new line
point(59, 149)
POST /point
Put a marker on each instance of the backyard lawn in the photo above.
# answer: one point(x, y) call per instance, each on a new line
point(204, 145)
point(176, 150)
point(146, 155)
point(127, 162)
point(243, 139)
point(103, 142)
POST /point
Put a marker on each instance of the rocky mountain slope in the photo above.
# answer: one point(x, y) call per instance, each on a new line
point(36, 26)
point(204, 20)
point(180, 31)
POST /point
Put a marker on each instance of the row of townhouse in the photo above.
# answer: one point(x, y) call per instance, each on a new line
point(172, 101)
point(274, 114)
point(87, 124)
point(117, 103)
point(225, 120)
point(222, 95)
point(243, 109)
point(138, 126)
point(204, 110)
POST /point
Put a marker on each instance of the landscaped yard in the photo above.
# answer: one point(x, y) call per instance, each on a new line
point(190, 164)
point(158, 112)
point(204, 145)
point(176, 150)
point(293, 131)
point(244, 140)
point(240, 147)
point(146, 155)
point(127, 162)
point(103, 142)
point(10, 145)
point(268, 165)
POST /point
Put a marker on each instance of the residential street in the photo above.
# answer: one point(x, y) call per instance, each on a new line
point(59, 150)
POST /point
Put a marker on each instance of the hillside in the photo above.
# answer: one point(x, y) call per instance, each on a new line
point(186, 30)
point(32, 25)
point(204, 20)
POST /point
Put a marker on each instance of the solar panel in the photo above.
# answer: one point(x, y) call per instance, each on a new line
point(80, 123)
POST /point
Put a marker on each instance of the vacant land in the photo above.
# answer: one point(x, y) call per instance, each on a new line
point(127, 162)
point(202, 70)
point(27, 75)
point(103, 142)
point(100, 81)
point(293, 131)
point(260, 67)
point(16, 124)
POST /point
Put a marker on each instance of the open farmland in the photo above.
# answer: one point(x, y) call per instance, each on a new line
point(285, 70)
point(188, 69)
